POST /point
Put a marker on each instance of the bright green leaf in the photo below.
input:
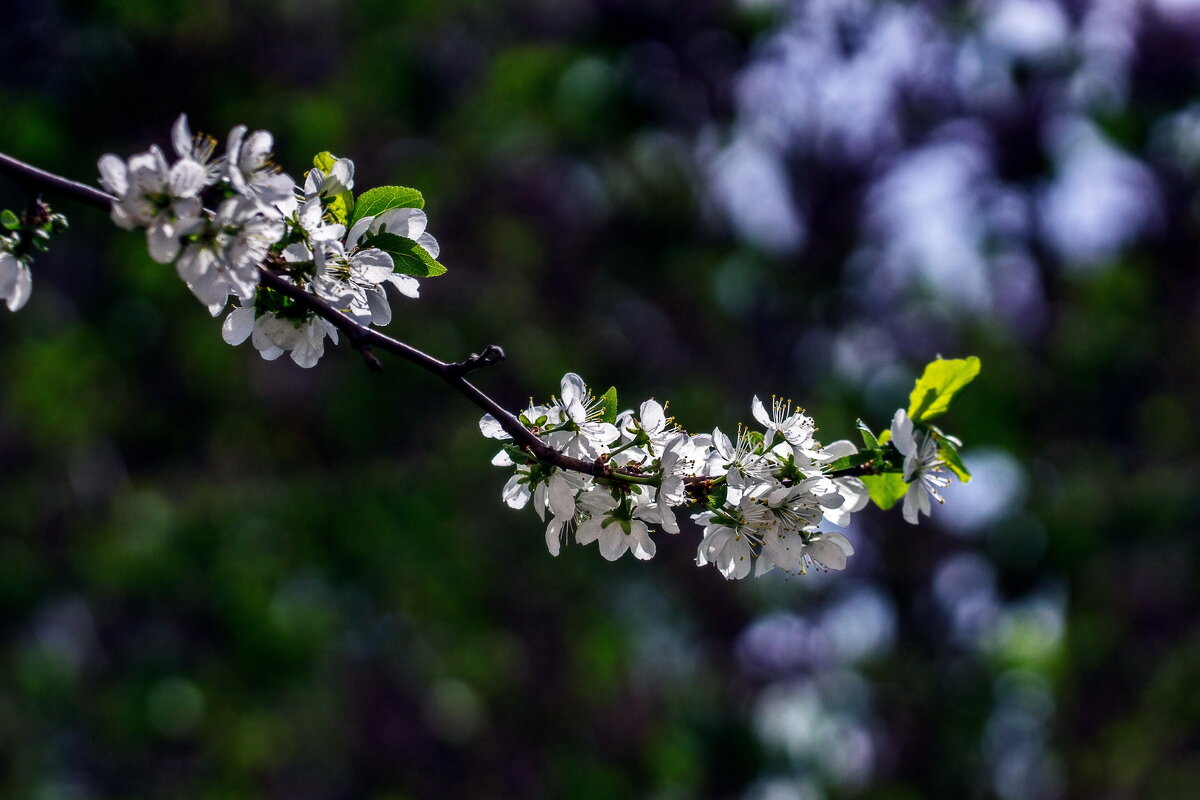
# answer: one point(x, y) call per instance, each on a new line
point(885, 436)
point(375, 201)
point(887, 489)
point(9, 220)
point(941, 381)
point(324, 161)
point(949, 453)
point(409, 257)
point(340, 207)
point(609, 401)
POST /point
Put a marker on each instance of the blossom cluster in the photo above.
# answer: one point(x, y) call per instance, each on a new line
point(764, 495)
point(221, 219)
point(292, 258)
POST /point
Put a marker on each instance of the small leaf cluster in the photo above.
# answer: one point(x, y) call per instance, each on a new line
point(931, 396)
point(30, 231)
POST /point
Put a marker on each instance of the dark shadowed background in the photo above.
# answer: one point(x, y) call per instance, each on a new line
point(227, 578)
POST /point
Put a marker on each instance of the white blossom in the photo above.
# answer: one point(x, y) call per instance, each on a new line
point(679, 458)
point(304, 341)
point(164, 199)
point(829, 550)
point(339, 179)
point(199, 148)
point(743, 465)
point(729, 539)
point(922, 466)
point(322, 240)
point(251, 173)
point(490, 427)
point(617, 529)
point(794, 427)
point(273, 335)
point(581, 433)
point(354, 284)
point(226, 251)
point(409, 223)
point(650, 429)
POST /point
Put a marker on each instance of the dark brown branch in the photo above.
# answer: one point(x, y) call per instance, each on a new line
point(492, 354)
point(361, 337)
point(29, 175)
point(365, 340)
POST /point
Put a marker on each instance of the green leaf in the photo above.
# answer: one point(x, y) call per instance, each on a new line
point(846, 462)
point(340, 205)
point(9, 220)
point(324, 161)
point(941, 381)
point(885, 436)
point(949, 453)
point(518, 455)
point(375, 201)
point(887, 489)
point(409, 257)
point(609, 399)
point(868, 438)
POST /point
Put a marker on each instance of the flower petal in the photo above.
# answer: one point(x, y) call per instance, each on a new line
point(572, 389)
point(760, 412)
point(613, 542)
point(902, 433)
point(826, 553)
point(238, 326)
point(839, 449)
point(113, 175)
point(490, 427)
point(515, 493)
point(653, 417)
point(21, 289)
point(162, 242)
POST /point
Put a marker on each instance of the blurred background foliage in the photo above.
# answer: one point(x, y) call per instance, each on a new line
point(226, 578)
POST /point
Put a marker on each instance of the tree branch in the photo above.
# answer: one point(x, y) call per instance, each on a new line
point(364, 339)
point(29, 175)
point(361, 337)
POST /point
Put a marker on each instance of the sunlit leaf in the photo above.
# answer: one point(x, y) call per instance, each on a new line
point(938, 385)
point(409, 257)
point(324, 161)
point(375, 201)
point(609, 402)
point(949, 453)
point(887, 489)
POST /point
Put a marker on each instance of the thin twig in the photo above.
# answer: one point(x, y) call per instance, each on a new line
point(361, 337)
point(28, 174)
